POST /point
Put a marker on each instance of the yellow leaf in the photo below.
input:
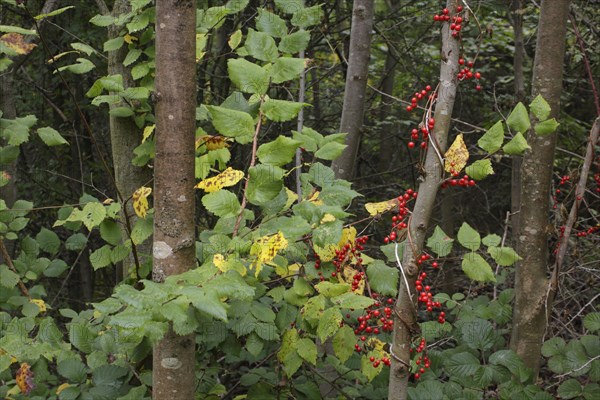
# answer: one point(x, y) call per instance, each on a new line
point(348, 277)
point(219, 261)
point(40, 303)
point(108, 201)
point(62, 387)
point(381, 207)
point(327, 218)
point(129, 39)
point(328, 253)
point(314, 198)
point(212, 142)
point(140, 201)
point(292, 197)
point(377, 345)
point(16, 42)
point(225, 265)
point(147, 132)
point(200, 45)
point(265, 249)
point(229, 177)
point(456, 156)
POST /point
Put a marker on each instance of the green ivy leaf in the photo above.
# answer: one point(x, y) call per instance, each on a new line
point(48, 241)
point(295, 42)
point(247, 76)
point(222, 203)
point(306, 17)
point(469, 237)
point(329, 324)
point(281, 110)
point(491, 240)
point(51, 137)
point(547, 127)
point(518, 120)
point(265, 183)
point(517, 145)
point(440, 243)
point(492, 140)
point(540, 108)
point(477, 269)
point(504, 256)
point(232, 123)
point(286, 69)
point(270, 23)
point(307, 349)
point(261, 46)
point(383, 279)
point(480, 169)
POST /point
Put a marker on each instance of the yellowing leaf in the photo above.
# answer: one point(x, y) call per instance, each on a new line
point(381, 207)
point(212, 142)
point(129, 39)
point(327, 218)
point(140, 201)
point(348, 277)
point(265, 249)
point(292, 197)
point(328, 253)
point(457, 155)
point(229, 177)
point(61, 388)
point(219, 261)
point(314, 198)
point(377, 344)
point(40, 303)
point(108, 201)
point(200, 45)
point(147, 132)
point(16, 42)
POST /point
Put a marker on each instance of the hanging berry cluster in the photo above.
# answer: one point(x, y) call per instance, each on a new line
point(466, 73)
point(399, 220)
point(422, 360)
point(456, 20)
point(465, 181)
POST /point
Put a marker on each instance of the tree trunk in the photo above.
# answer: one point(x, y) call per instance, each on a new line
point(125, 136)
point(405, 319)
point(516, 9)
point(531, 312)
point(356, 86)
point(174, 201)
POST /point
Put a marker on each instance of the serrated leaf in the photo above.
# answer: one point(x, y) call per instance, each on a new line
point(295, 42)
point(286, 69)
point(517, 145)
point(546, 127)
point(540, 108)
point(352, 300)
point(518, 120)
point(381, 207)
point(92, 215)
point(504, 256)
point(48, 241)
point(330, 151)
point(477, 269)
point(289, 6)
point(492, 140)
point(232, 123)
point(114, 44)
point(72, 369)
point(307, 349)
point(110, 232)
point(76, 242)
point(462, 365)
point(469, 237)
point(491, 240)
point(440, 243)
point(570, 389)
point(265, 249)
point(101, 257)
point(247, 76)
point(306, 17)
point(270, 23)
point(478, 334)
point(456, 156)
point(8, 278)
point(278, 152)
point(265, 183)
point(222, 203)
point(281, 110)
point(383, 279)
point(591, 321)
point(480, 169)
point(329, 324)
point(132, 57)
point(261, 46)
point(366, 366)
point(140, 201)
point(343, 343)
point(102, 20)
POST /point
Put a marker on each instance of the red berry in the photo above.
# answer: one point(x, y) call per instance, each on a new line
point(411, 145)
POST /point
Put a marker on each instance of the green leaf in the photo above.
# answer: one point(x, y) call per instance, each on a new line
point(140, 70)
point(132, 57)
point(307, 349)
point(84, 48)
point(492, 140)
point(121, 112)
point(142, 230)
point(119, 253)
point(591, 391)
point(540, 108)
point(16, 29)
point(477, 269)
point(330, 151)
point(289, 6)
point(8, 279)
point(108, 374)
point(547, 127)
point(281, 110)
point(254, 344)
point(440, 243)
point(286, 69)
point(92, 215)
point(265, 183)
point(48, 241)
point(352, 300)
point(517, 145)
point(518, 120)
point(235, 39)
point(469, 237)
point(570, 389)
point(309, 138)
point(114, 44)
point(480, 169)
point(343, 343)
point(329, 324)
point(55, 268)
point(110, 232)
point(491, 240)
point(504, 256)
point(295, 42)
point(72, 369)
point(112, 83)
point(53, 13)
point(139, 22)
point(136, 93)
point(232, 123)
point(222, 203)
point(366, 365)
point(82, 66)
point(103, 20)
point(278, 152)
point(208, 302)
point(591, 321)
point(261, 46)
point(383, 279)
point(478, 334)
point(101, 257)
point(270, 23)
point(288, 354)
point(305, 17)
point(462, 365)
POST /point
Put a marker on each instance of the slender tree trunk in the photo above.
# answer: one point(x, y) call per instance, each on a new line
point(531, 311)
point(516, 9)
point(174, 201)
point(356, 85)
point(405, 319)
point(125, 136)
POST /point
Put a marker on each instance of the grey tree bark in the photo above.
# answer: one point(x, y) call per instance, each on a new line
point(356, 86)
point(531, 310)
point(173, 374)
point(405, 316)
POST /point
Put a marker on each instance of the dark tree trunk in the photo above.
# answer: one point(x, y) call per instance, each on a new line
point(174, 201)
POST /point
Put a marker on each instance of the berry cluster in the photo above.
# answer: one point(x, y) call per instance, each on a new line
point(414, 135)
point(386, 361)
point(425, 295)
point(465, 181)
point(589, 231)
point(422, 360)
point(398, 220)
point(414, 101)
point(466, 73)
point(378, 318)
point(457, 20)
